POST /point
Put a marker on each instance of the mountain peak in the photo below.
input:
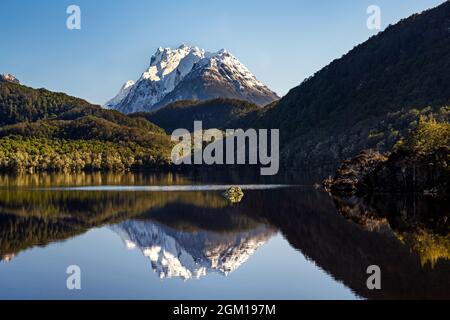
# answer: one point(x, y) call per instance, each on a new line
point(186, 73)
point(9, 78)
point(185, 255)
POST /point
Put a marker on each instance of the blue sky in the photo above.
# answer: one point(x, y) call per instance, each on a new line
point(281, 42)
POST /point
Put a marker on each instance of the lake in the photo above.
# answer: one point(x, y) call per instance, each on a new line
point(176, 236)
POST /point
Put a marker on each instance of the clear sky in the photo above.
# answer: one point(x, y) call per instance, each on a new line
point(280, 41)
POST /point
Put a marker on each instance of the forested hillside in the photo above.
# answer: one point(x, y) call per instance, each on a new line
point(43, 130)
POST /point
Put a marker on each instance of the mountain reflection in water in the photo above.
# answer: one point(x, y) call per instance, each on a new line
point(188, 234)
point(187, 254)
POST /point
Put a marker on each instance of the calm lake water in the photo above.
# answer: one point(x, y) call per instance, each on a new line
point(174, 236)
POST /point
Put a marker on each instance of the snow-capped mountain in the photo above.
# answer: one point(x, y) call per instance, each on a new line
point(7, 257)
point(190, 73)
point(9, 78)
point(191, 255)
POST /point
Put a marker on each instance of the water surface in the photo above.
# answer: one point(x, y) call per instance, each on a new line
point(173, 236)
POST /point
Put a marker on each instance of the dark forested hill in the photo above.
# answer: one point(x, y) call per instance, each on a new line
point(43, 130)
point(372, 97)
point(217, 113)
point(19, 103)
point(366, 98)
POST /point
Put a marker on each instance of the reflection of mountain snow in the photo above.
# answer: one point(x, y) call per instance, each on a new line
point(191, 254)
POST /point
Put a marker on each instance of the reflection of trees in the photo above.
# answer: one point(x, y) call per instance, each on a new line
point(431, 247)
point(19, 233)
point(344, 249)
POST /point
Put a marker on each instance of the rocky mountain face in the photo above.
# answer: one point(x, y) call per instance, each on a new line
point(124, 91)
point(190, 73)
point(190, 255)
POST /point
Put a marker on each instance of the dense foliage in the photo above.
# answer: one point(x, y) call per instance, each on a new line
point(372, 97)
point(419, 163)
